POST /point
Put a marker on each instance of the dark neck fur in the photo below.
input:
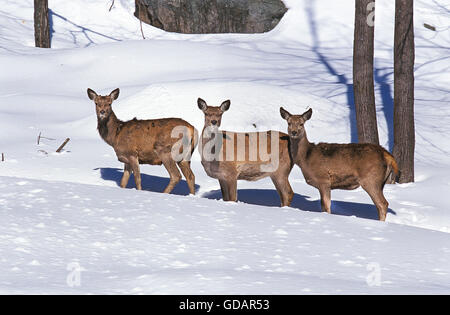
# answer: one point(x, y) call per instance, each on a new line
point(300, 149)
point(108, 128)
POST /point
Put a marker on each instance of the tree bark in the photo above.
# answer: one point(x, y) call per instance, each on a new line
point(404, 56)
point(363, 80)
point(41, 24)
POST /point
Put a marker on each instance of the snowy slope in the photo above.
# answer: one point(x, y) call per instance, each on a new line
point(127, 242)
point(305, 61)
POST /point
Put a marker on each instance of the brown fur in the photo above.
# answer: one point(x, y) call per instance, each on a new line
point(329, 166)
point(229, 171)
point(144, 142)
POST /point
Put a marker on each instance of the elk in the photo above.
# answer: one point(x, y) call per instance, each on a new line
point(147, 142)
point(328, 166)
point(238, 156)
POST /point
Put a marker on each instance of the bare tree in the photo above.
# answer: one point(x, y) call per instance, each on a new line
point(41, 24)
point(363, 80)
point(404, 56)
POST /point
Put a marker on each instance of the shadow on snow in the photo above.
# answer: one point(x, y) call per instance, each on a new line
point(149, 182)
point(259, 197)
point(270, 198)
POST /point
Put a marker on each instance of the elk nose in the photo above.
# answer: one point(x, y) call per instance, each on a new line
point(294, 133)
point(214, 122)
point(102, 112)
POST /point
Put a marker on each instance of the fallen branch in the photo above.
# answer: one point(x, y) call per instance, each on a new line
point(3, 157)
point(62, 145)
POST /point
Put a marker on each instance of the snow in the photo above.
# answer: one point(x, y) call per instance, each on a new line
point(128, 242)
point(64, 215)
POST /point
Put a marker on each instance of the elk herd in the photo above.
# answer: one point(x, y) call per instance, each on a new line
point(231, 156)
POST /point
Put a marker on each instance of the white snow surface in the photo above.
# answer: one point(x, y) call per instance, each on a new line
point(61, 210)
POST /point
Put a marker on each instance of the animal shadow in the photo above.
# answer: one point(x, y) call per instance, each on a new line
point(149, 182)
point(270, 198)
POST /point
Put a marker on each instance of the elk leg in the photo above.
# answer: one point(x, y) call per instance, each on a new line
point(325, 199)
point(284, 190)
point(232, 189)
point(134, 163)
point(185, 167)
point(224, 189)
point(174, 173)
point(126, 176)
point(379, 200)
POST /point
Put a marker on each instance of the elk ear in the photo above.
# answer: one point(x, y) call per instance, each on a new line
point(115, 94)
point(91, 94)
point(284, 113)
point(202, 104)
point(307, 115)
point(225, 106)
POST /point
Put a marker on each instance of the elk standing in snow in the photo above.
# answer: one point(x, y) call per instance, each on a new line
point(147, 142)
point(244, 156)
point(329, 166)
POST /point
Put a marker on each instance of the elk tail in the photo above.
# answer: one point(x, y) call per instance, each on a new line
point(392, 166)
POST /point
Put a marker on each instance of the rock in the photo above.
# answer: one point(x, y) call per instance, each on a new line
point(211, 16)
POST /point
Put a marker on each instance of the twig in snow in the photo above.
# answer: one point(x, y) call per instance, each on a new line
point(42, 137)
point(142, 31)
point(3, 157)
point(62, 145)
point(112, 4)
point(430, 27)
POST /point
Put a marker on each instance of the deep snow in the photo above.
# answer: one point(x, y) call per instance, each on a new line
point(56, 211)
point(128, 242)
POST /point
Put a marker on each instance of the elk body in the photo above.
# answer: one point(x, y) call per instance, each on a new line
point(146, 142)
point(340, 166)
point(234, 160)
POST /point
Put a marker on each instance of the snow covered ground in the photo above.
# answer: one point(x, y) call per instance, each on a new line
point(127, 242)
point(64, 210)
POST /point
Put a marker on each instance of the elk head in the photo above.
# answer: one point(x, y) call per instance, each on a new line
point(296, 123)
point(213, 115)
point(103, 103)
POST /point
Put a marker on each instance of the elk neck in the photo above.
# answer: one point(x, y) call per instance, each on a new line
point(108, 128)
point(300, 149)
point(205, 136)
point(212, 139)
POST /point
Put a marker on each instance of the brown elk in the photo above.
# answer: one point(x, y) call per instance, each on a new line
point(147, 142)
point(238, 156)
point(328, 166)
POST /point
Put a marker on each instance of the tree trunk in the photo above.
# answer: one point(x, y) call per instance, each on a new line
point(363, 80)
point(41, 24)
point(404, 55)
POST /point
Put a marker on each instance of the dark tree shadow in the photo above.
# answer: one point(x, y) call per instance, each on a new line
point(149, 182)
point(388, 102)
point(50, 24)
point(341, 78)
point(81, 29)
point(270, 198)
